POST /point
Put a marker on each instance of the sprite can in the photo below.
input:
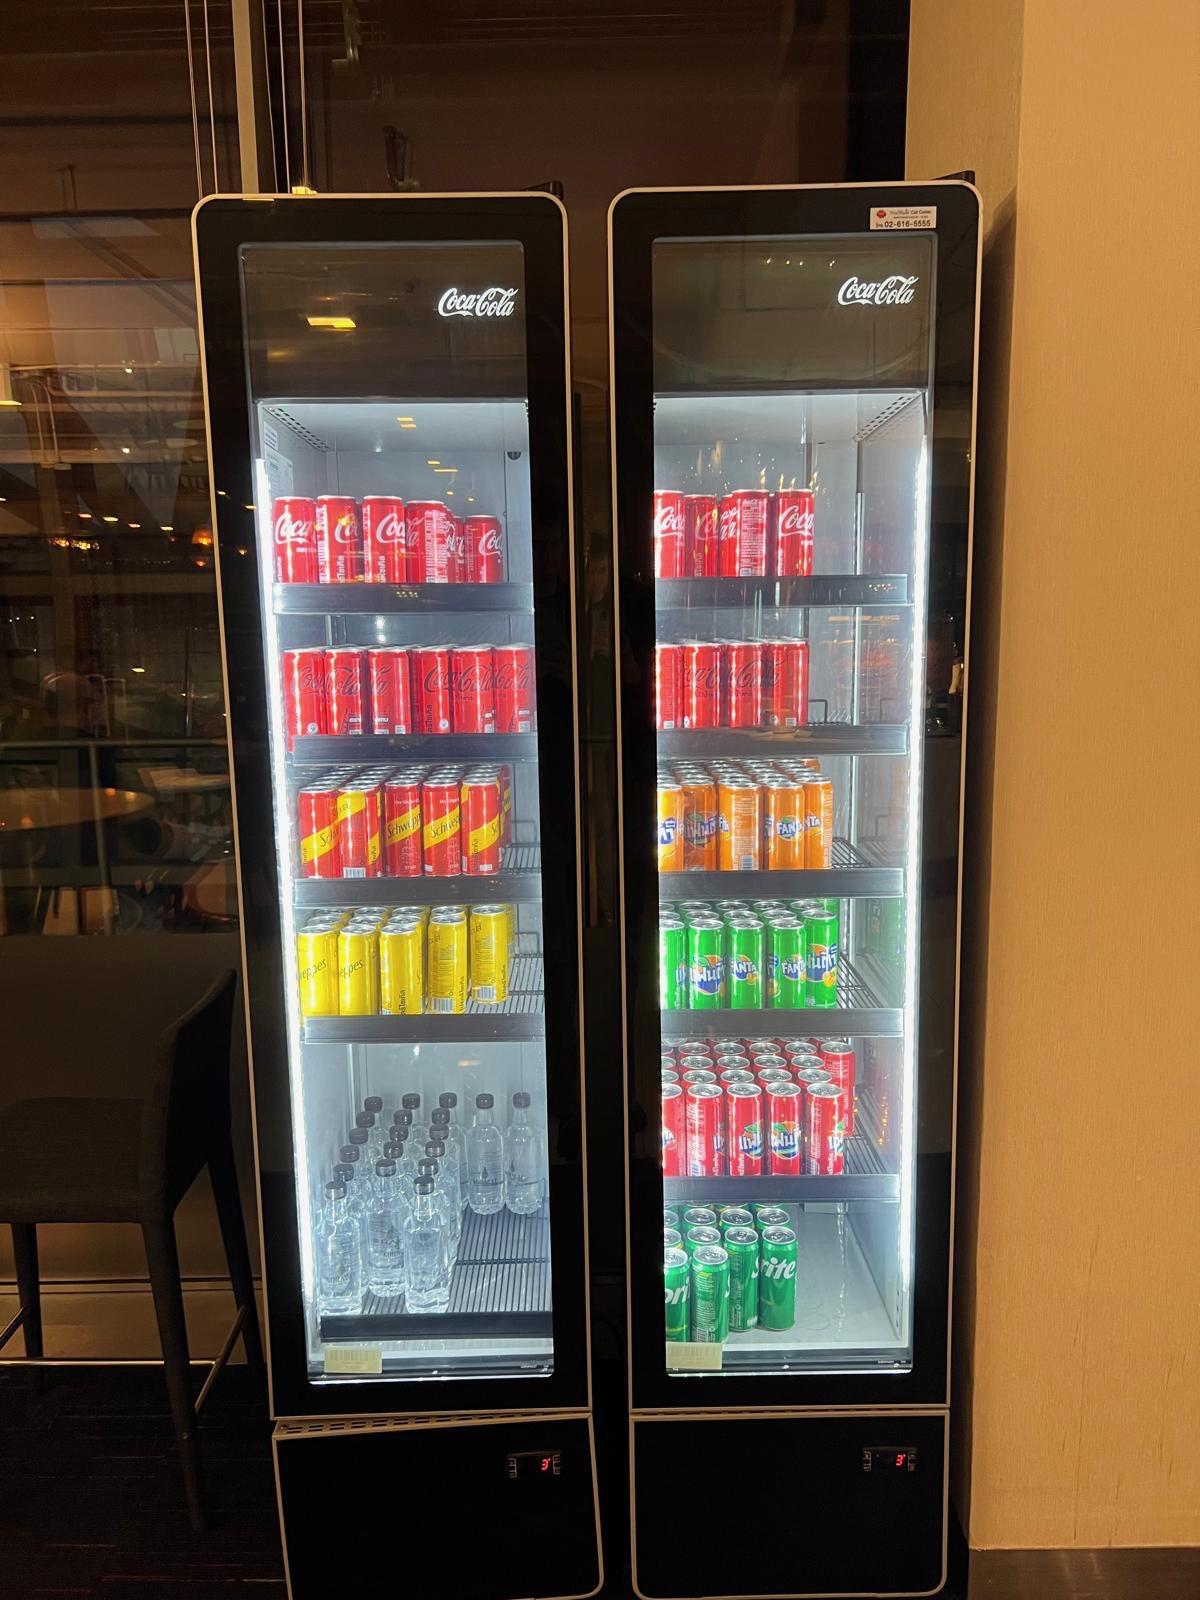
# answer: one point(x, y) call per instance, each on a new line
point(676, 1287)
point(672, 1239)
point(768, 1216)
point(706, 964)
point(777, 1278)
point(670, 1217)
point(747, 963)
point(710, 1294)
point(735, 1217)
point(694, 1238)
point(741, 1246)
point(821, 957)
point(672, 964)
point(699, 1217)
point(787, 975)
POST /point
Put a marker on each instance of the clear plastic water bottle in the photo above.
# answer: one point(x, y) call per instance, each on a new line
point(456, 1143)
point(412, 1104)
point(523, 1160)
point(429, 1167)
point(385, 1237)
point(348, 1167)
point(451, 1186)
point(426, 1260)
point(401, 1119)
point(338, 1257)
point(485, 1160)
point(379, 1135)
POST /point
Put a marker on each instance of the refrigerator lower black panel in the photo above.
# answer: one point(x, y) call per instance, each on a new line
point(838, 1528)
point(466, 1525)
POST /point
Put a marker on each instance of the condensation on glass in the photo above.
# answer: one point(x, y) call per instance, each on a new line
point(362, 393)
point(792, 401)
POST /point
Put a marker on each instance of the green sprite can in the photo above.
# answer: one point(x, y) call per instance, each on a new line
point(698, 1217)
point(747, 963)
point(706, 964)
point(735, 1217)
point(821, 958)
point(672, 1239)
point(787, 976)
point(670, 1217)
point(722, 1206)
point(672, 964)
point(769, 1216)
point(777, 1278)
point(741, 1246)
point(710, 1294)
point(725, 908)
point(695, 1238)
point(676, 1294)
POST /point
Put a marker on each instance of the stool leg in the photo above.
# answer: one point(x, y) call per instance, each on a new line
point(162, 1258)
point(222, 1172)
point(25, 1254)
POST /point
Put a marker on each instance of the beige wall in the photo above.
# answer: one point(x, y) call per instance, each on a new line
point(1079, 1243)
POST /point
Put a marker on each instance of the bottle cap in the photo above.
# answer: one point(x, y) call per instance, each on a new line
point(436, 1149)
point(410, 1102)
point(349, 1153)
point(424, 1186)
point(386, 1169)
point(484, 1102)
point(359, 1136)
point(521, 1100)
point(402, 1118)
point(336, 1191)
point(447, 1101)
point(373, 1103)
point(393, 1151)
point(365, 1119)
point(343, 1173)
point(440, 1118)
point(427, 1167)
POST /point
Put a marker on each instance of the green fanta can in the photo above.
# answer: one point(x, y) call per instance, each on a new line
point(741, 1246)
point(710, 1294)
point(676, 1293)
point(777, 1278)
point(747, 963)
point(672, 964)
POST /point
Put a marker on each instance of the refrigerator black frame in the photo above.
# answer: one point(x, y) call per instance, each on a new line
point(636, 220)
point(222, 225)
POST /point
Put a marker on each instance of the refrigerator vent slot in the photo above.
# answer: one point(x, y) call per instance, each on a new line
point(885, 418)
point(298, 428)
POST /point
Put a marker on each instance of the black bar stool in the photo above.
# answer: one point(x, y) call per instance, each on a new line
point(133, 1161)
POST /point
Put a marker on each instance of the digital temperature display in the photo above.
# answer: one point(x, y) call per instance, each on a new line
point(534, 1464)
point(887, 1458)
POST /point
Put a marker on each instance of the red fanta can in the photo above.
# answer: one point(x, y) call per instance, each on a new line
point(472, 690)
point(783, 1120)
point(701, 527)
point(701, 685)
point(824, 1144)
point(390, 676)
point(339, 540)
point(402, 828)
point(744, 685)
point(674, 1131)
point(431, 690)
point(485, 550)
point(744, 1118)
point(428, 533)
point(383, 539)
point(304, 704)
point(837, 1058)
point(668, 686)
point(513, 666)
point(345, 688)
point(705, 1130)
point(795, 514)
point(670, 532)
point(295, 541)
point(456, 551)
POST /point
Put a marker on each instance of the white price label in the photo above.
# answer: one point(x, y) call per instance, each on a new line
point(690, 1357)
point(898, 219)
point(270, 436)
point(363, 1360)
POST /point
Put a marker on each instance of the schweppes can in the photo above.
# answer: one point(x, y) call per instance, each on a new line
point(441, 812)
point(402, 968)
point(316, 811)
point(358, 972)
point(446, 953)
point(402, 845)
point(317, 958)
point(482, 821)
point(489, 954)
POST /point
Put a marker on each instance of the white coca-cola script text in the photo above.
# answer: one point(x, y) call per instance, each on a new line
point(494, 302)
point(893, 291)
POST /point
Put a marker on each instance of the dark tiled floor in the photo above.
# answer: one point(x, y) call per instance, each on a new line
point(91, 1503)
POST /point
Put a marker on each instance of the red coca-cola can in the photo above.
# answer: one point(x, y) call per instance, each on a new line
point(316, 818)
point(428, 537)
point(402, 828)
point(824, 1153)
point(743, 540)
point(346, 689)
point(733, 1061)
point(485, 550)
point(513, 668)
point(295, 541)
point(837, 1057)
point(794, 517)
point(701, 514)
point(674, 1131)
point(744, 684)
point(668, 686)
point(670, 534)
point(472, 689)
point(431, 689)
point(783, 1101)
point(481, 807)
point(785, 683)
point(441, 827)
point(414, 547)
point(701, 685)
point(705, 1123)
point(360, 829)
point(456, 551)
point(389, 674)
point(305, 709)
point(339, 540)
point(744, 1129)
point(383, 538)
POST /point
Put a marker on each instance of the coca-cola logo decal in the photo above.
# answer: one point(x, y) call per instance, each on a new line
point(493, 302)
point(894, 291)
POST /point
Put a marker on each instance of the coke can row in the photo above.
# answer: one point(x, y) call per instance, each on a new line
point(728, 1061)
point(390, 690)
point(749, 533)
point(403, 960)
point(731, 683)
point(336, 539)
point(744, 816)
point(407, 822)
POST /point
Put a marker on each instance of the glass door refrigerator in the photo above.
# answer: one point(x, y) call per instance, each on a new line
point(793, 399)
point(387, 393)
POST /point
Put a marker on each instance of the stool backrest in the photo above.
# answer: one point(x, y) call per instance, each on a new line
point(187, 1105)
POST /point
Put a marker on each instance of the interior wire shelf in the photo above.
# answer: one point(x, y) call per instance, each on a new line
point(518, 882)
point(856, 871)
point(521, 1016)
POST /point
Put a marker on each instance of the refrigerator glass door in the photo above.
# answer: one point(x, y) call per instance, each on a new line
point(388, 403)
point(792, 396)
